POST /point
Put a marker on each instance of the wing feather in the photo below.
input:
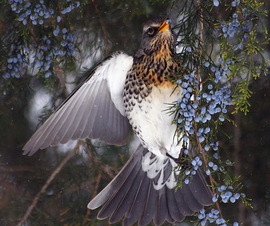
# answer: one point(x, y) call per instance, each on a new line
point(94, 110)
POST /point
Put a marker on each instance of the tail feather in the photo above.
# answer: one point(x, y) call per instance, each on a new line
point(115, 184)
point(162, 208)
point(120, 191)
point(131, 195)
point(173, 206)
point(198, 189)
point(136, 209)
point(190, 200)
point(170, 206)
point(150, 206)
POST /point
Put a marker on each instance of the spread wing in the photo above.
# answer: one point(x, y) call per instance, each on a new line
point(94, 110)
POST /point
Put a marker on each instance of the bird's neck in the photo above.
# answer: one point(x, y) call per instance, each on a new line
point(158, 66)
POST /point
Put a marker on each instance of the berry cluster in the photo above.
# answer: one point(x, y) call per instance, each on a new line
point(54, 45)
point(43, 56)
point(226, 194)
point(67, 41)
point(187, 107)
point(214, 100)
point(199, 108)
point(16, 61)
point(212, 217)
point(231, 28)
point(36, 13)
point(212, 165)
point(203, 104)
point(212, 145)
point(69, 8)
point(49, 49)
point(240, 27)
point(192, 169)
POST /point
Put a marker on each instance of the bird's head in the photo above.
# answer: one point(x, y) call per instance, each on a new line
point(156, 36)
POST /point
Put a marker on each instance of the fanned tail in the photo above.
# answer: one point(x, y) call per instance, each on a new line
point(131, 195)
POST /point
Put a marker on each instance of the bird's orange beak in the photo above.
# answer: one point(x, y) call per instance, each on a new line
point(165, 25)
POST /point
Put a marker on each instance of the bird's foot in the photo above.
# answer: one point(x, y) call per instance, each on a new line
point(177, 160)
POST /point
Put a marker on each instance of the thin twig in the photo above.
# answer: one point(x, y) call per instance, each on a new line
point(201, 38)
point(105, 168)
point(88, 211)
point(48, 182)
point(103, 27)
point(62, 81)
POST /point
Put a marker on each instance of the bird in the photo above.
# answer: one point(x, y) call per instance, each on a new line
point(126, 92)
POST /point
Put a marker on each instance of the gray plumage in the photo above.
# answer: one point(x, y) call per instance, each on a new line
point(88, 112)
point(131, 195)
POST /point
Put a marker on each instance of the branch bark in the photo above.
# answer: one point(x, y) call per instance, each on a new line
point(48, 182)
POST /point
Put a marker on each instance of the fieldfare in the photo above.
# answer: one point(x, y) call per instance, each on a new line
point(121, 91)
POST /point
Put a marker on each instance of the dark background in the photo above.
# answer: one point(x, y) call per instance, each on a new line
point(104, 27)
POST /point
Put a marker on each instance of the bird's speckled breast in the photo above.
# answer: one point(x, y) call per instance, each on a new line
point(146, 73)
point(147, 93)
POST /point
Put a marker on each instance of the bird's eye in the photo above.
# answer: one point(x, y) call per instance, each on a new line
point(151, 31)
